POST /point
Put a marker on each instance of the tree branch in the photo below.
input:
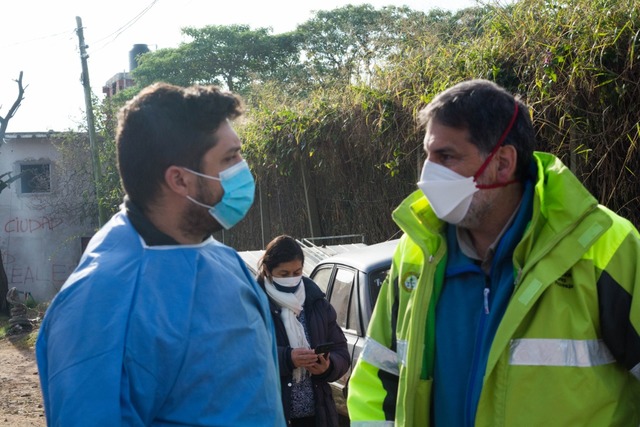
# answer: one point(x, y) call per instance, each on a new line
point(4, 121)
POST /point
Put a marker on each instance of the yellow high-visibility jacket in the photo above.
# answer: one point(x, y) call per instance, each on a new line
point(567, 351)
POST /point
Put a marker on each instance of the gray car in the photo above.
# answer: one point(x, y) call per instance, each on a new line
point(352, 281)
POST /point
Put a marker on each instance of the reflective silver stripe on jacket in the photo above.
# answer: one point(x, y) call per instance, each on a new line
point(371, 423)
point(636, 371)
point(380, 356)
point(557, 352)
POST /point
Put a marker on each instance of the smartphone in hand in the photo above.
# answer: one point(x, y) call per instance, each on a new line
point(325, 347)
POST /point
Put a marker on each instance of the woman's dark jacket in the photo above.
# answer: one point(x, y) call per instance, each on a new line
point(322, 327)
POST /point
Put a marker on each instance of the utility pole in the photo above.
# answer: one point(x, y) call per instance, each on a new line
point(95, 158)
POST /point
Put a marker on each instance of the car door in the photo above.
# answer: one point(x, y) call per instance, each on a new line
point(340, 284)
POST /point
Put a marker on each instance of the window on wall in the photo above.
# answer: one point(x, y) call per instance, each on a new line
point(35, 178)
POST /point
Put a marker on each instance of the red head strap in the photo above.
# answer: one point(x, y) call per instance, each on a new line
point(495, 150)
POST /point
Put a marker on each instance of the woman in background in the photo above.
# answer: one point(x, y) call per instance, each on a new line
point(303, 318)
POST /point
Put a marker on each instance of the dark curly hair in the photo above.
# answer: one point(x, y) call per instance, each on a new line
point(168, 125)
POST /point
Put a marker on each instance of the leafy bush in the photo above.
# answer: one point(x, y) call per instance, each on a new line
point(575, 62)
point(335, 156)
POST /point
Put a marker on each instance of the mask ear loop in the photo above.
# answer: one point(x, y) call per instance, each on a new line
point(494, 151)
point(215, 178)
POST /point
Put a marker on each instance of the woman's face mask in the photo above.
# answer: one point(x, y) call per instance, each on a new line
point(239, 190)
point(288, 282)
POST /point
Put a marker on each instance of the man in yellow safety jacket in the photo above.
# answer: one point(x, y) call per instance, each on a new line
point(513, 298)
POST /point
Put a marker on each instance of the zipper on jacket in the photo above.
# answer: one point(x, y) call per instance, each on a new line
point(428, 274)
point(486, 293)
point(477, 351)
point(518, 275)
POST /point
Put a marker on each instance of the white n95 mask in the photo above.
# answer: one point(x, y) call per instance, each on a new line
point(288, 282)
point(449, 193)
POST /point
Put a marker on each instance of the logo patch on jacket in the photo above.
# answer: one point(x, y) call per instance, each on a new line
point(565, 281)
point(410, 281)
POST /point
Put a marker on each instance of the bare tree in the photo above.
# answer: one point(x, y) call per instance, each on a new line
point(4, 123)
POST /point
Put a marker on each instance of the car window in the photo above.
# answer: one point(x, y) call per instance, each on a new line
point(322, 277)
point(376, 279)
point(343, 299)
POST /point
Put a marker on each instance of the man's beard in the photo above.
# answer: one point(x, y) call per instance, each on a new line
point(478, 210)
point(197, 220)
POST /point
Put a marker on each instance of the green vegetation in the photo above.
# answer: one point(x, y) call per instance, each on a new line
point(330, 127)
point(26, 341)
point(4, 325)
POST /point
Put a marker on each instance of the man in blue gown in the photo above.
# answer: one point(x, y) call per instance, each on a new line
point(160, 324)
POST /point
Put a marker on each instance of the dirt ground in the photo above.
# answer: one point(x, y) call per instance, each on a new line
point(20, 397)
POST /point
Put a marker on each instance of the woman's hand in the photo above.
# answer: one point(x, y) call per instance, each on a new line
point(303, 357)
point(321, 365)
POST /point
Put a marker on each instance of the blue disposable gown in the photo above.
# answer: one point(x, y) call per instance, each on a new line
point(156, 336)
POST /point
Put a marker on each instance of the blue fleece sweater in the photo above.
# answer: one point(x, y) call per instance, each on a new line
point(468, 313)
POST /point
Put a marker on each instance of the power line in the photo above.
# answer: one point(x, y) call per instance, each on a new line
point(114, 35)
point(37, 39)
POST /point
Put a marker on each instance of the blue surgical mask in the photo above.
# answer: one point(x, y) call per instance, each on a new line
point(239, 189)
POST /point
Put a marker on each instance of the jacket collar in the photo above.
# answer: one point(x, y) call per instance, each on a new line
point(556, 187)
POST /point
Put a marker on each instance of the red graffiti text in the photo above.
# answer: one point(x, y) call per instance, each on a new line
point(29, 225)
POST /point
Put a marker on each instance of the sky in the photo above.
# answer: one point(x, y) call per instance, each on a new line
point(39, 38)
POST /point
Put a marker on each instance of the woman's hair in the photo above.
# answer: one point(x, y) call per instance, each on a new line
point(281, 249)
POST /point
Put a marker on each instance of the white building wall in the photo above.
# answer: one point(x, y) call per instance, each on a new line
point(39, 249)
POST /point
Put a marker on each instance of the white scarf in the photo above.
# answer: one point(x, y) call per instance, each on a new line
point(291, 304)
